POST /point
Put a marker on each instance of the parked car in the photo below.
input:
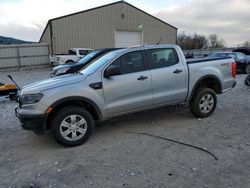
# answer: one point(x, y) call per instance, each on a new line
point(244, 50)
point(121, 82)
point(73, 55)
point(72, 68)
point(242, 62)
point(189, 55)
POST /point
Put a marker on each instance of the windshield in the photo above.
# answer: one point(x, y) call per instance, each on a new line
point(86, 58)
point(96, 64)
point(219, 55)
point(240, 56)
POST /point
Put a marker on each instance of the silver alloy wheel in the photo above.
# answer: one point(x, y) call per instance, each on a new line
point(206, 103)
point(73, 127)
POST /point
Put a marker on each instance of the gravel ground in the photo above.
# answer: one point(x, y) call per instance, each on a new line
point(115, 158)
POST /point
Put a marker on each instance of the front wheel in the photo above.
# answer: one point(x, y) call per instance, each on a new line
point(203, 102)
point(72, 126)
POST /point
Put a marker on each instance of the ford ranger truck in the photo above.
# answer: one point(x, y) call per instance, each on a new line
point(121, 82)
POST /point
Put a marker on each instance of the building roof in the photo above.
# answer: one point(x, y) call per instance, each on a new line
point(57, 18)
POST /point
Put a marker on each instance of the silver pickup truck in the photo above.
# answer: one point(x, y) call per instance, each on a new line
point(120, 82)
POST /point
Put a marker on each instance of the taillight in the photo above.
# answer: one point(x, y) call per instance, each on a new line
point(233, 69)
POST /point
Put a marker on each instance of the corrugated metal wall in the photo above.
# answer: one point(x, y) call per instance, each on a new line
point(12, 56)
point(96, 28)
point(46, 37)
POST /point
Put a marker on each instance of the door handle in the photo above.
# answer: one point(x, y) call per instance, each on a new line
point(142, 78)
point(177, 71)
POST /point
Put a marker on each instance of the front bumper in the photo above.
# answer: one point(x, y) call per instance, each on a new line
point(31, 122)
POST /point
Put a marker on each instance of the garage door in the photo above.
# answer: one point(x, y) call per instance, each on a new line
point(127, 39)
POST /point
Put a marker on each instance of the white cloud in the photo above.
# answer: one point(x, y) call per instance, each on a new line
point(26, 19)
point(227, 18)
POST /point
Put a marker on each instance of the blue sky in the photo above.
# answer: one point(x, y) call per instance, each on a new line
point(26, 19)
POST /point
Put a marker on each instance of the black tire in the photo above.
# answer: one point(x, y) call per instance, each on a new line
point(247, 80)
point(196, 102)
point(247, 69)
point(61, 116)
point(12, 97)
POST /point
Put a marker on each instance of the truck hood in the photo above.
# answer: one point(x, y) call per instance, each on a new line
point(51, 83)
point(60, 67)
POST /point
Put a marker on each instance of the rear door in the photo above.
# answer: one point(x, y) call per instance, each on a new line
point(132, 89)
point(169, 76)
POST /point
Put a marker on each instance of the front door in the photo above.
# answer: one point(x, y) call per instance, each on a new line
point(131, 90)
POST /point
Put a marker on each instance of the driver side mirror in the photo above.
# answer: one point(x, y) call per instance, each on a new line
point(112, 71)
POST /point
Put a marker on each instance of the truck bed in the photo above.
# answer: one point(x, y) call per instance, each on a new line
point(199, 60)
point(217, 68)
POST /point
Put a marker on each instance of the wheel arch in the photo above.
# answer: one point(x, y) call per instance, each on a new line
point(69, 60)
point(88, 105)
point(209, 81)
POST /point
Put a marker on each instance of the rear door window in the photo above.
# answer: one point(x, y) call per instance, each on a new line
point(160, 58)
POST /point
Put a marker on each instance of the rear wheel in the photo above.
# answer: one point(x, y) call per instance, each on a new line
point(72, 126)
point(203, 102)
point(247, 70)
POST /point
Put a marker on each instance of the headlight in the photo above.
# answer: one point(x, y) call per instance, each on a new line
point(62, 71)
point(30, 98)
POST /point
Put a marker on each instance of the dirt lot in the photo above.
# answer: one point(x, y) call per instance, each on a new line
point(114, 158)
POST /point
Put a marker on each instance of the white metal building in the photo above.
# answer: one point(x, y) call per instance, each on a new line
point(118, 24)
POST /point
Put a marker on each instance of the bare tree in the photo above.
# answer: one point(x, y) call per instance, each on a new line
point(196, 41)
point(215, 41)
point(200, 41)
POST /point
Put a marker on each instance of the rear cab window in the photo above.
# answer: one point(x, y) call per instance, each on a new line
point(84, 52)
